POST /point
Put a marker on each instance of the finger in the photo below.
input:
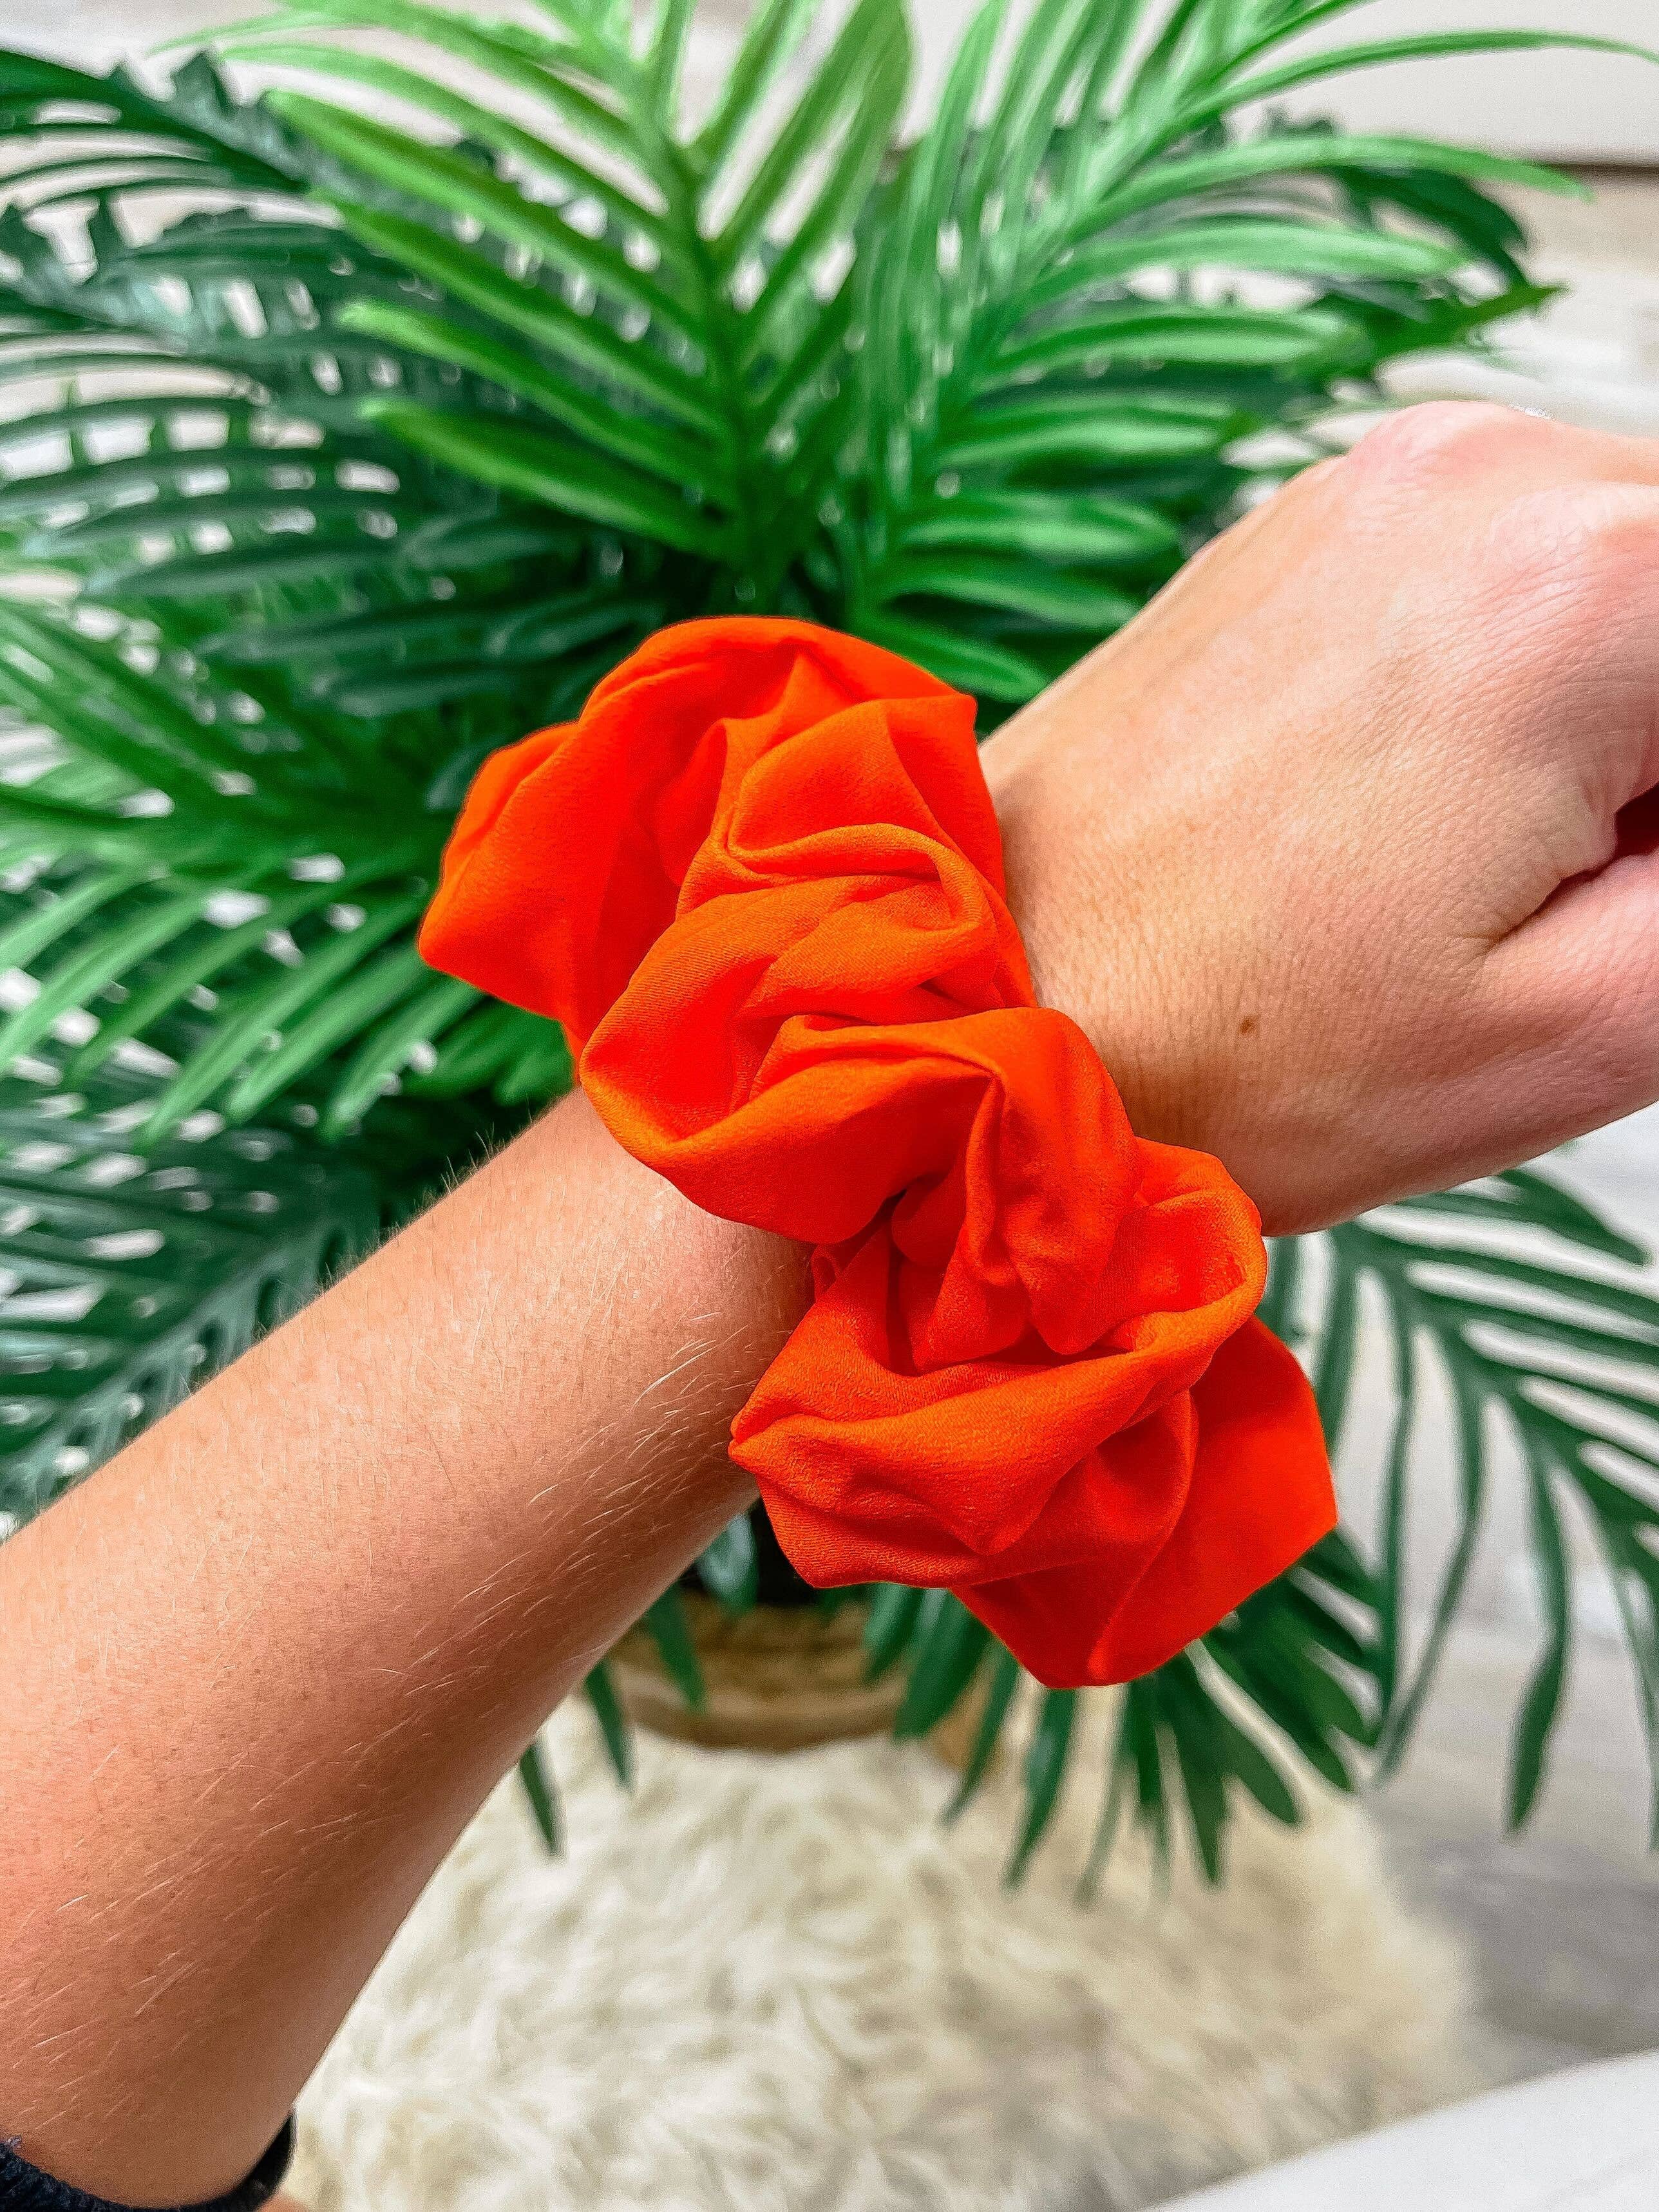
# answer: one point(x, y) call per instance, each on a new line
point(1572, 575)
point(1578, 988)
point(1447, 443)
point(1437, 457)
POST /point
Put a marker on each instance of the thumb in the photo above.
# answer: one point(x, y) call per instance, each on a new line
point(1580, 982)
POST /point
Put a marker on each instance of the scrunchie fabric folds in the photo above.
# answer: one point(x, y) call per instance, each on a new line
point(760, 882)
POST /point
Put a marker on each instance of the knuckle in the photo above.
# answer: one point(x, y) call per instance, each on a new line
point(1439, 436)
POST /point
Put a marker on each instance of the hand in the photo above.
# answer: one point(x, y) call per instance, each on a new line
point(1340, 850)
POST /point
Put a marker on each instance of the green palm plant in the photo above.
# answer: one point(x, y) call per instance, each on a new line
point(356, 427)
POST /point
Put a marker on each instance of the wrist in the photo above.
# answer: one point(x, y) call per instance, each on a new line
point(1120, 945)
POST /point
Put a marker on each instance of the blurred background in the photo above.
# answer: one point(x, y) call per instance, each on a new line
point(1564, 1922)
point(1572, 107)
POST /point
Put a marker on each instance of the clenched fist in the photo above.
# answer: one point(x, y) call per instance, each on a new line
point(1341, 851)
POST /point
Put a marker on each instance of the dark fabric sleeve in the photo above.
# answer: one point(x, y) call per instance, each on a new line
point(23, 2188)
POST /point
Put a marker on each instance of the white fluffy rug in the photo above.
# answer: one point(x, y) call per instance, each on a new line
point(776, 1985)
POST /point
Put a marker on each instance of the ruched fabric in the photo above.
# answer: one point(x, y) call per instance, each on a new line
point(760, 882)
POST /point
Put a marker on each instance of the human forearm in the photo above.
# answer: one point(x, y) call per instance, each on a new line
point(262, 1669)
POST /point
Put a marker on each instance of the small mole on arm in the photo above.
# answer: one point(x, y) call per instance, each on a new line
point(1247, 1027)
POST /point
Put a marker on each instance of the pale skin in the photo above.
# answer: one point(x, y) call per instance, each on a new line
point(1332, 851)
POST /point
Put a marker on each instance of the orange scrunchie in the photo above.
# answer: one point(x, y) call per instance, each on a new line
point(760, 882)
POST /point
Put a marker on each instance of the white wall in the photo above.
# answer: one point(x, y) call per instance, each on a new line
point(1569, 106)
point(1573, 106)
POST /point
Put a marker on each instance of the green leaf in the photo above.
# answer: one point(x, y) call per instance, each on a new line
point(1247, 1759)
point(671, 1633)
point(207, 954)
point(601, 1693)
point(261, 1012)
point(123, 716)
point(1004, 1680)
point(372, 153)
point(1201, 1751)
point(1522, 1197)
point(1046, 59)
point(1495, 1319)
point(1278, 1660)
point(729, 1567)
point(1280, 1302)
point(519, 59)
point(1047, 526)
point(1120, 1768)
point(1317, 250)
point(536, 466)
point(90, 970)
point(361, 999)
point(944, 1656)
point(538, 1790)
point(587, 340)
point(1287, 154)
point(1336, 1560)
point(869, 37)
point(1137, 1763)
point(1334, 1372)
point(774, 30)
point(666, 49)
point(632, 439)
point(973, 664)
point(875, 111)
point(1408, 1703)
point(196, 116)
point(134, 1278)
point(909, 300)
point(1046, 1762)
point(1147, 331)
point(31, 933)
point(390, 1046)
point(1482, 225)
point(1537, 1720)
point(1044, 594)
point(1392, 1546)
point(1141, 1745)
point(516, 1056)
point(888, 1627)
point(1108, 427)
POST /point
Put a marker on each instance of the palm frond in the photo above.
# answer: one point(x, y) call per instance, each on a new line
point(647, 339)
point(1071, 235)
point(1543, 1339)
point(193, 880)
point(349, 431)
point(128, 1277)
